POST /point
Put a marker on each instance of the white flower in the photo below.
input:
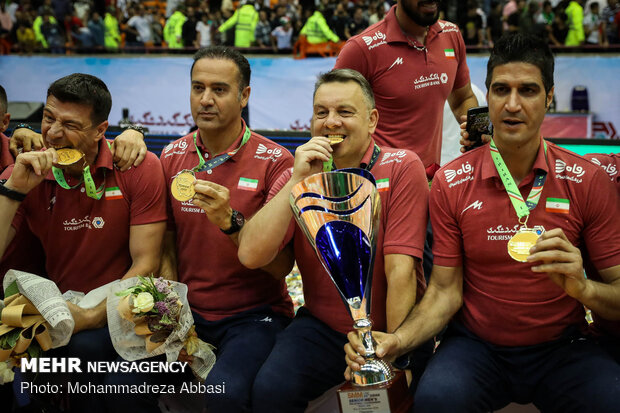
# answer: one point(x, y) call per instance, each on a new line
point(6, 373)
point(142, 303)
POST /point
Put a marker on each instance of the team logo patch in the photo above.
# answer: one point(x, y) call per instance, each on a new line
point(466, 169)
point(370, 40)
point(113, 193)
point(449, 53)
point(557, 205)
point(98, 222)
point(247, 184)
point(383, 184)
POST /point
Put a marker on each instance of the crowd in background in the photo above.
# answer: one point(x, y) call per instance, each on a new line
point(64, 26)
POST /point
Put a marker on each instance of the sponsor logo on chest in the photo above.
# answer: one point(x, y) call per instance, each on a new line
point(265, 153)
point(463, 174)
point(505, 233)
point(374, 40)
point(75, 224)
point(177, 148)
point(570, 172)
point(433, 79)
point(389, 157)
point(188, 206)
point(611, 169)
point(447, 27)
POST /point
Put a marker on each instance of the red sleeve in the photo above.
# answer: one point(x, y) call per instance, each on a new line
point(146, 191)
point(275, 173)
point(352, 57)
point(447, 239)
point(462, 73)
point(601, 231)
point(407, 211)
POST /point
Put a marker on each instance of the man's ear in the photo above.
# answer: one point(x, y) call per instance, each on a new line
point(4, 122)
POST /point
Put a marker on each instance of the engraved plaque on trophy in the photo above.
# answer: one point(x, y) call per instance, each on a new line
point(339, 212)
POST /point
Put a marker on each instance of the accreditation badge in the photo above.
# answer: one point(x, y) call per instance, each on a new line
point(519, 245)
point(182, 187)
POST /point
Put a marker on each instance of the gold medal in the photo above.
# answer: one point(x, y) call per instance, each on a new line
point(333, 140)
point(68, 156)
point(520, 244)
point(182, 187)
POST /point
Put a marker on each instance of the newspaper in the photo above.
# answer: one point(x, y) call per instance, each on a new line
point(132, 347)
point(46, 297)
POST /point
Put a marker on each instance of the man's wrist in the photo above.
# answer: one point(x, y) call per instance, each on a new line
point(138, 128)
point(23, 126)
point(8, 191)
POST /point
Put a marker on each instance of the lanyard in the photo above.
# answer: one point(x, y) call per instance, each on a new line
point(89, 183)
point(522, 208)
point(218, 160)
point(329, 166)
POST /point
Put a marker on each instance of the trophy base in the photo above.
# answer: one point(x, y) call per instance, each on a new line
point(390, 397)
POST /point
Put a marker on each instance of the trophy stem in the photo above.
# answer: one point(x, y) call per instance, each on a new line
point(374, 370)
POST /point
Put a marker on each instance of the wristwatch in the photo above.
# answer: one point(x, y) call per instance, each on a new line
point(236, 223)
point(137, 128)
point(9, 193)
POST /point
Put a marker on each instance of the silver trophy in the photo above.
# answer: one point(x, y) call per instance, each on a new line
point(339, 213)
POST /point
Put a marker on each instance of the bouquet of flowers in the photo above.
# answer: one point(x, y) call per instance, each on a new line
point(26, 331)
point(154, 307)
point(150, 316)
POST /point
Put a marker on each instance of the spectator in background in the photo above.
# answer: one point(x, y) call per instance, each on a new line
point(173, 30)
point(36, 27)
point(244, 21)
point(378, 15)
point(472, 27)
point(357, 24)
point(339, 21)
point(593, 26)
point(26, 40)
point(188, 33)
point(262, 34)
point(495, 26)
point(203, 29)
point(546, 16)
point(609, 18)
point(97, 29)
point(61, 9)
point(559, 30)
point(316, 29)
point(140, 24)
point(509, 8)
point(282, 35)
point(111, 33)
point(53, 35)
point(574, 13)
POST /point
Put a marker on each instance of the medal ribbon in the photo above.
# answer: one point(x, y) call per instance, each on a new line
point(89, 183)
point(522, 208)
point(218, 160)
point(329, 166)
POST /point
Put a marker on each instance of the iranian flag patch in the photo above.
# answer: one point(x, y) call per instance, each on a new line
point(558, 205)
point(383, 184)
point(449, 53)
point(113, 193)
point(248, 184)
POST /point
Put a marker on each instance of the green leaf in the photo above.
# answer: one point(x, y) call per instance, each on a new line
point(8, 340)
point(11, 289)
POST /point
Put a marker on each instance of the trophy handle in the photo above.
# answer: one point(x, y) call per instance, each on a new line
point(374, 370)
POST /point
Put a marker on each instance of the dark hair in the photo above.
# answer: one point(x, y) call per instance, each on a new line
point(4, 103)
point(86, 90)
point(522, 48)
point(226, 53)
point(344, 76)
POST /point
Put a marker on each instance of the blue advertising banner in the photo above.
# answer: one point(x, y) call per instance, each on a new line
point(156, 89)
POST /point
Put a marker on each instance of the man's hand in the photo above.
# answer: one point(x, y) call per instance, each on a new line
point(388, 348)
point(128, 149)
point(561, 261)
point(214, 199)
point(30, 170)
point(26, 139)
point(310, 156)
point(88, 318)
point(465, 142)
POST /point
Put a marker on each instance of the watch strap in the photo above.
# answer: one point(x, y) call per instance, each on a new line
point(9, 193)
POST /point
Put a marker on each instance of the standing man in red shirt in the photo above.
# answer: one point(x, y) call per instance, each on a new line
point(231, 170)
point(413, 63)
point(307, 357)
point(512, 220)
point(96, 223)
